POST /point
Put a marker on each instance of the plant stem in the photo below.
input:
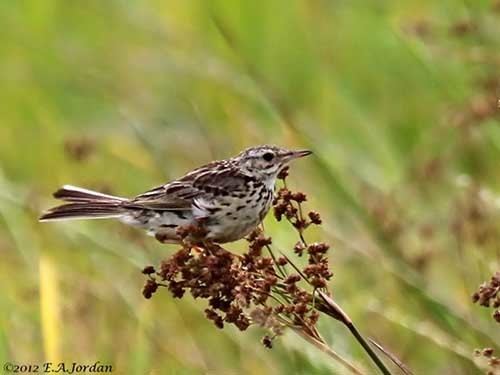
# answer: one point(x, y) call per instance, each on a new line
point(368, 349)
point(331, 308)
point(281, 269)
point(326, 349)
point(392, 357)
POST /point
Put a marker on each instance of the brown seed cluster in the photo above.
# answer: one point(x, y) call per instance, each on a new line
point(463, 27)
point(79, 148)
point(488, 295)
point(492, 361)
point(481, 107)
point(420, 28)
point(474, 218)
point(255, 288)
point(283, 174)
point(242, 290)
point(287, 204)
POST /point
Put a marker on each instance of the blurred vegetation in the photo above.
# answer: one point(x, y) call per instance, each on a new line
point(398, 100)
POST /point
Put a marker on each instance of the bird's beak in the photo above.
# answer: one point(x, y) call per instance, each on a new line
point(296, 154)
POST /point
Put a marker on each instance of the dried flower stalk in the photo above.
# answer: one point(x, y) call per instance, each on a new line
point(488, 295)
point(260, 289)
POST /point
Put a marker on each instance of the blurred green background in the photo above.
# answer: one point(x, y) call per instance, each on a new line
point(398, 100)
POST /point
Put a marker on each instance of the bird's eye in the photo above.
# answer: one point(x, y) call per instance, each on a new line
point(268, 156)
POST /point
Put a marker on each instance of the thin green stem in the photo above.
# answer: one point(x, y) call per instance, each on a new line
point(383, 369)
point(281, 269)
point(296, 268)
point(326, 349)
point(332, 309)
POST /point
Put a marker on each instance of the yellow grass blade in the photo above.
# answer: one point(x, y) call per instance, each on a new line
point(49, 308)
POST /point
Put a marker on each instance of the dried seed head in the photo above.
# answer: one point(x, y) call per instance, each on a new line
point(475, 297)
point(298, 197)
point(496, 316)
point(79, 149)
point(487, 352)
point(292, 279)
point(267, 342)
point(300, 224)
point(238, 289)
point(314, 217)
point(148, 270)
point(216, 318)
point(283, 174)
point(488, 295)
point(318, 248)
point(318, 282)
point(254, 234)
point(149, 288)
point(299, 248)
point(313, 317)
point(282, 261)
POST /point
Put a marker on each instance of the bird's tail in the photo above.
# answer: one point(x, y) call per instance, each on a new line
point(84, 204)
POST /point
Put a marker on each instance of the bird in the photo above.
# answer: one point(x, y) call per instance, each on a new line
point(229, 198)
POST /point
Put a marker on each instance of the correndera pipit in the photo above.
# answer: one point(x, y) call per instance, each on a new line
point(229, 198)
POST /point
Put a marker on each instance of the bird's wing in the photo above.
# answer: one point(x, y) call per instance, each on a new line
point(222, 181)
point(224, 184)
point(204, 183)
point(174, 196)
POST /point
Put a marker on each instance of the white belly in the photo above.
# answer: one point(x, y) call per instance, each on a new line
point(226, 220)
point(237, 221)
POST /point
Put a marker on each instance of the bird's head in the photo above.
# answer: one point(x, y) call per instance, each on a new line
point(265, 162)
